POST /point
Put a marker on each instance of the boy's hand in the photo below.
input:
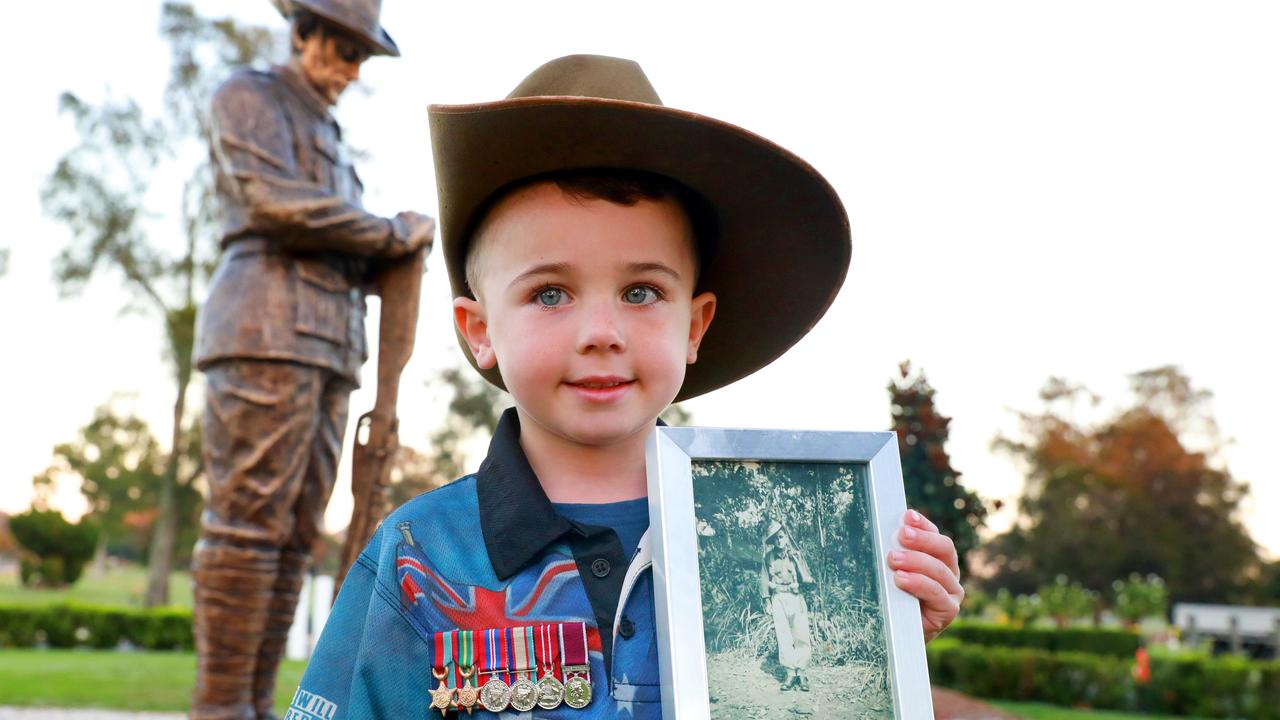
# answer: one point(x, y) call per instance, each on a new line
point(929, 569)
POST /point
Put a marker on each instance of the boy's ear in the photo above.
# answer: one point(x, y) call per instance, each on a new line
point(702, 309)
point(468, 315)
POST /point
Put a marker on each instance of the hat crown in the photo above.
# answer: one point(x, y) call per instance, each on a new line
point(359, 16)
point(592, 76)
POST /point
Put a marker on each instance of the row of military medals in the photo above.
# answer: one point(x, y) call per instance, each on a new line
point(517, 668)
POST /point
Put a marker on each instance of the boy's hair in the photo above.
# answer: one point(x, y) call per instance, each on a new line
point(620, 187)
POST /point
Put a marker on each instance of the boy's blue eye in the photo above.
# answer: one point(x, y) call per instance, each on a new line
point(641, 295)
point(550, 297)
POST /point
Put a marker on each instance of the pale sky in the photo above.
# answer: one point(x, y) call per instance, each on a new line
point(1085, 189)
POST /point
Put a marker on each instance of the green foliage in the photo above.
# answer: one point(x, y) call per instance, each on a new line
point(1066, 601)
point(1019, 610)
point(1206, 687)
point(56, 550)
point(1094, 485)
point(69, 625)
point(121, 469)
point(933, 487)
point(1138, 597)
point(1098, 641)
point(473, 411)
point(976, 601)
point(125, 681)
point(826, 515)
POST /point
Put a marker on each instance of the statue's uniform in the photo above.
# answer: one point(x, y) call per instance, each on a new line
point(281, 341)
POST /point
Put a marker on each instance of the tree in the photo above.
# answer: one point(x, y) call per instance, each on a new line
point(1065, 601)
point(933, 487)
point(121, 469)
point(474, 409)
point(1138, 597)
point(8, 545)
point(1127, 494)
point(98, 189)
point(56, 550)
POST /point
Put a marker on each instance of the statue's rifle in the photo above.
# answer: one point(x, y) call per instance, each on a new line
point(399, 287)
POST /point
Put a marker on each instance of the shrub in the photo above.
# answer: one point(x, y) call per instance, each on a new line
point(1139, 597)
point(55, 550)
point(1065, 601)
point(78, 625)
point(1204, 687)
point(1099, 641)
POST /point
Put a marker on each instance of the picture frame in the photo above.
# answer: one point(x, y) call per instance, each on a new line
point(717, 497)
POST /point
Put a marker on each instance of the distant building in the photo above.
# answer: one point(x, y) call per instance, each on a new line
point(1237, 628)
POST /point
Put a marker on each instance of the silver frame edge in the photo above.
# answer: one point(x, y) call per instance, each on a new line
point(669, 453)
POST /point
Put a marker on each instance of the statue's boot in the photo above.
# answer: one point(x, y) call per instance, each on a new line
point(233, 590)
point(275, 636)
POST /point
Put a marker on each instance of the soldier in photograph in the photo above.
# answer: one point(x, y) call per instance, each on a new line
point(784, 574)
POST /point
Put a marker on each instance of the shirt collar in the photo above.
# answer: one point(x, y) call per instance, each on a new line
point(300, 87)
point(517, 519)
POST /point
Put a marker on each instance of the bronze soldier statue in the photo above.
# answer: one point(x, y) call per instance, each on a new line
point(281, 341)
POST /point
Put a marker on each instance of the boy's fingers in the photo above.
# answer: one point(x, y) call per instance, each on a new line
point(931, 543)
point(927, 565)
point(938, 608)
point(915, 518)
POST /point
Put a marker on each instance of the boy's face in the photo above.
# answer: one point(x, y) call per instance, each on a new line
point(588, 308)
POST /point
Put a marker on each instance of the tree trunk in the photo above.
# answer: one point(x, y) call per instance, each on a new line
point(99, 567)
point(164, 535)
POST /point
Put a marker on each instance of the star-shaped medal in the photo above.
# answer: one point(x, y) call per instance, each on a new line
point(468, 694)
point(441, 697)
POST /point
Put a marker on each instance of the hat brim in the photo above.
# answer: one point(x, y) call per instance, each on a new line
point(783, 245)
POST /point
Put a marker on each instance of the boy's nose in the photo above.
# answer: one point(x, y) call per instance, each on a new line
point(601, 330)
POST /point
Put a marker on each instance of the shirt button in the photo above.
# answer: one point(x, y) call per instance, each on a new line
point(600, 567)
point(626, 628)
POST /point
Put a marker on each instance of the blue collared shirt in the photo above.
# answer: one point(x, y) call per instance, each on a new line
point(493, 553)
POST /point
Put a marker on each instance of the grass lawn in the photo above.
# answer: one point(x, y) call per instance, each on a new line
point(123, 586)
point(155, 681)
point(159, 681)
point(1040, 711)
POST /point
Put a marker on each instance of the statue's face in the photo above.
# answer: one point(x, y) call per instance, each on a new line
point(330, 60)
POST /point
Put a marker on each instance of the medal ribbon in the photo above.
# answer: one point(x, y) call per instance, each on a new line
point(466, 652)
point(573, 648)
point(444, 655)
point(495, 656)
point(521, 650)
point(551, 648)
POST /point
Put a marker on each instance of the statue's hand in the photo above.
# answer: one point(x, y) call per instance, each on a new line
point(419, 232)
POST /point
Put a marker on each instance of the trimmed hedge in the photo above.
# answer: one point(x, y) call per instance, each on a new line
point(1099, 641)
point(73, 624)
point(1206, 687)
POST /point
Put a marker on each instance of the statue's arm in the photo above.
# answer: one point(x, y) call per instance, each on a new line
point(253, 146)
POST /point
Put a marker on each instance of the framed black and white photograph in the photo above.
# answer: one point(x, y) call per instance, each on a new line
point(772, 593)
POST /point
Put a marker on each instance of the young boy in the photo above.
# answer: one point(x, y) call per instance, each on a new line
point(592, 236)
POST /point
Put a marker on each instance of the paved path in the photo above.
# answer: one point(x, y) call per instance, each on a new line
point(951, 705)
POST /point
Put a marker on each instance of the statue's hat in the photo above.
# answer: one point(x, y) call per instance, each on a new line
point(358, 17)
